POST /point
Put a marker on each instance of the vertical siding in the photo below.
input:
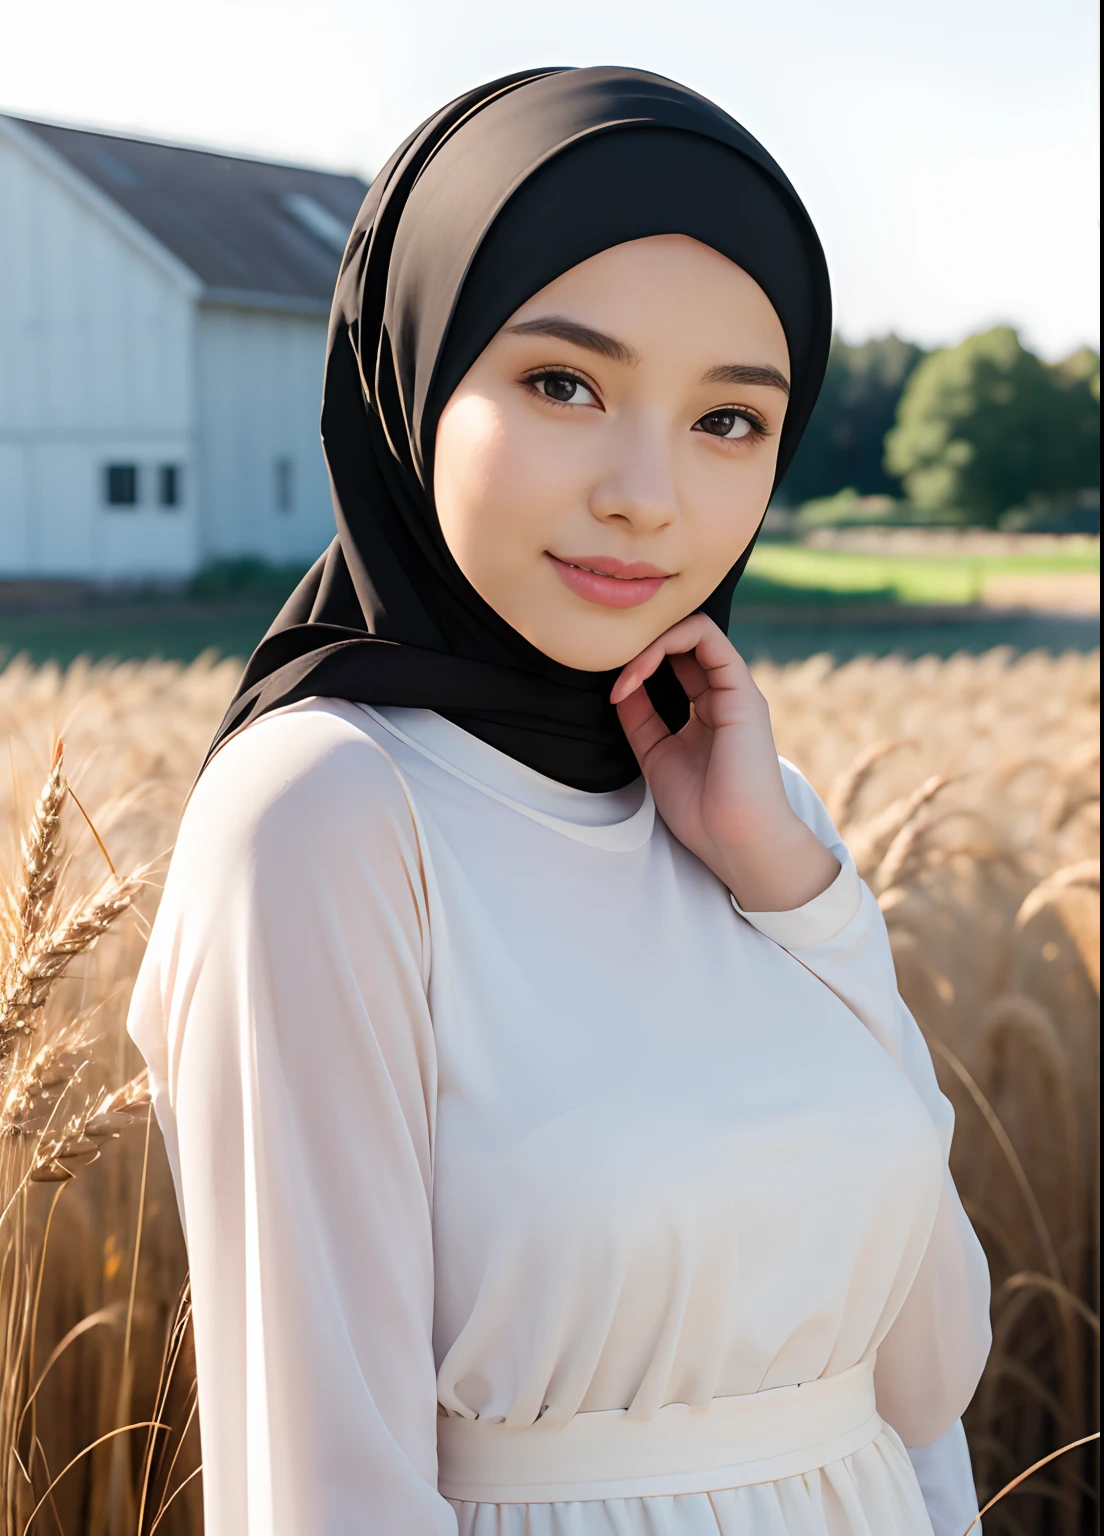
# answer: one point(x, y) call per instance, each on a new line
point(96, 345)
point(259, 392)
point(15, 499)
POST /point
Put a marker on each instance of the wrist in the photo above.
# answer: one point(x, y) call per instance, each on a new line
point(777, 873)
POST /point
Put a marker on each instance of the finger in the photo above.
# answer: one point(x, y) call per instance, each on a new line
point(719, 659)
point(642, 724)
point(680, 637)
point(691, 674)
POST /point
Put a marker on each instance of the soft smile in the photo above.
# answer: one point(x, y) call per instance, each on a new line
point(609, 582)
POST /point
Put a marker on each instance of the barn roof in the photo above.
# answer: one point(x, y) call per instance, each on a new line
point(252, 231)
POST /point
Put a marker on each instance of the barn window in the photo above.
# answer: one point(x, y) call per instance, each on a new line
point(323, 225)
point(168, 485)
point(121, 485)
point(285, 484)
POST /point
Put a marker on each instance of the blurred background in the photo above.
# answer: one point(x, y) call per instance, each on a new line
point(176, 188)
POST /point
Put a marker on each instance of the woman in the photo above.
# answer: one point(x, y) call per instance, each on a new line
point(554, 1151)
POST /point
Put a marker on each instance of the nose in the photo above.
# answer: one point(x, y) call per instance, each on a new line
point(638, 486)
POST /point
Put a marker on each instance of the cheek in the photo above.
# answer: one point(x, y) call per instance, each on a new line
point(495, 481)
point(471, 439)
point(727, 503)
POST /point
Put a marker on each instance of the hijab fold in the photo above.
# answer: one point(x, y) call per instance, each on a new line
point(499, 193)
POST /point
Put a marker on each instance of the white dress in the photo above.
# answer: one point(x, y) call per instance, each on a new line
point(500, 1134)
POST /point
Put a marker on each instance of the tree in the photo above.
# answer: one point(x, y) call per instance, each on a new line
point(1077, 377)
point(987, 425)
point(844, 441)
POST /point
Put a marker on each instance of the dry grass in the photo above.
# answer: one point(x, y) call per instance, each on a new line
point(969, 793)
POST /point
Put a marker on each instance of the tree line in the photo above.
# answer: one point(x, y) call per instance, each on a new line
point(967, 432)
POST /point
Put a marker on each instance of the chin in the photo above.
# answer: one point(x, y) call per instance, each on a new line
point(571, 646)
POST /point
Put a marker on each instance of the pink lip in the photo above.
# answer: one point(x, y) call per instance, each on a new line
point(610, 582)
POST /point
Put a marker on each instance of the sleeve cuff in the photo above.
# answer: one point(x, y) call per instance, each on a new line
point(818, 920)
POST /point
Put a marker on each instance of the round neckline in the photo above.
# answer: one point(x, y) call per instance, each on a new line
point(619, 820)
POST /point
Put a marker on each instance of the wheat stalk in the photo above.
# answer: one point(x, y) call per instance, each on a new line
point(80, 1140)
point(1084, 876)
point(42, 850)
point(848, 786)
point(1043, 1461)
point(977, 920)
point(42, 1103)
point(29, 905)
point(48, 950)
point(870, 842)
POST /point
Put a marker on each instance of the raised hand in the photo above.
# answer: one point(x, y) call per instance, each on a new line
point(717, 783)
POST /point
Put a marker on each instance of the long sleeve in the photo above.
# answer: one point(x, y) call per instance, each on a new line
point(946, 1477)
point(282, 1009)
point(931, 1359)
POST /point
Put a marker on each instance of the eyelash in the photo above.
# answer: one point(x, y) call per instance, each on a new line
point(759, 428)
point(531, 381)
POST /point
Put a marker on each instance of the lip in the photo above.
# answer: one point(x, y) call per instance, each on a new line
point(610, 582)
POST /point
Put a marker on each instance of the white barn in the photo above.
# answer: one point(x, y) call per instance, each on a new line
point(163, 319)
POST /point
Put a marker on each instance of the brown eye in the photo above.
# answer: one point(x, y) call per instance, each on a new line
point(559, 386)
point(729, 424)
point(563, 388)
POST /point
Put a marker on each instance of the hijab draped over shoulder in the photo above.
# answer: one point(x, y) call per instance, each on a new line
point(499, 193)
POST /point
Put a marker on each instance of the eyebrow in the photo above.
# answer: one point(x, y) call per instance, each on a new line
point(560, 328)
point(748, 373)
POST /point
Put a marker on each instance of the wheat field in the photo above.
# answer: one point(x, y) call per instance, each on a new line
point(968, 791)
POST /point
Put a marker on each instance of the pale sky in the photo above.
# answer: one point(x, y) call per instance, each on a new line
point(946, 150)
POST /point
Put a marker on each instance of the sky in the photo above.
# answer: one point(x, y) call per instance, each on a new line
point(946, 151)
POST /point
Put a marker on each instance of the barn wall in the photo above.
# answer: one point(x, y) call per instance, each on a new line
point(96, 341)
point(263, 482)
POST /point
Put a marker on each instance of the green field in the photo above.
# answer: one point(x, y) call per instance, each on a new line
point(788, 605)
point(792, 573)
point(133, 633)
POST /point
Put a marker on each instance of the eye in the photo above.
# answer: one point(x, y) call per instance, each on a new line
point(730, 424)
point(562, 388)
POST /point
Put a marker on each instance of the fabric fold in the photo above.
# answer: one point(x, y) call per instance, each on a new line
point(822, 918)
point(490, 200)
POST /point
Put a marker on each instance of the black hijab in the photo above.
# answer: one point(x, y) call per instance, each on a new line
point(502, 191)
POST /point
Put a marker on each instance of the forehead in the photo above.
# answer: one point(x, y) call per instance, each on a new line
point(670, 292)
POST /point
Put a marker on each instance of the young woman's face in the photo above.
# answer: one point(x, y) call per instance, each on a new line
point(609, 455)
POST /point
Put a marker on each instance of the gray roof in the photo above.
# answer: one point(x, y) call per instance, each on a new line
point(251, 231)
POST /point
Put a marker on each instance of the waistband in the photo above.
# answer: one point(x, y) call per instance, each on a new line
point(731, 1442)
